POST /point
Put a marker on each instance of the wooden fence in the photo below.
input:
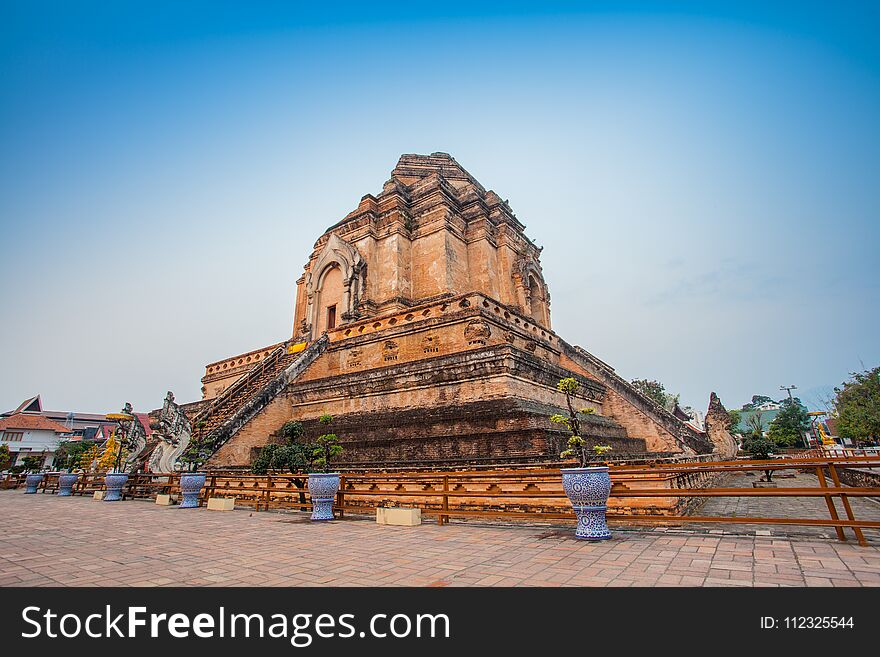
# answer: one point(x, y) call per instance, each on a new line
point(663, 492)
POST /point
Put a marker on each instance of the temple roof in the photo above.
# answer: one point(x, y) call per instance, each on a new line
point(421, 182)
point(31, 422)
point(34, 405)
point(411, 167)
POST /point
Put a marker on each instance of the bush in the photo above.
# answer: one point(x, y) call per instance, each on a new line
point(32, 463)
point(789, 426)
point(326, 447)
point(294, 458)
point(292, 455)
point(292, 431)
point(69, 453)
point(760, 449)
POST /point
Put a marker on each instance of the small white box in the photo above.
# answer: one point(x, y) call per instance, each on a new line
point(99, 494)
point(398, 516)
point(164, 500)
point(221, 503)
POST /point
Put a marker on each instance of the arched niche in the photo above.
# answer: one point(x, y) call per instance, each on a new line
point(334, 286)
point(536, 299)
point(531, 290)
point(329, 298)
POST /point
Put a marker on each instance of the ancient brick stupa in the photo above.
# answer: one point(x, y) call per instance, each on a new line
point(422, 325)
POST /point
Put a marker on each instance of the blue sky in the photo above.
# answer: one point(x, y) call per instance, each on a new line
point(703, 177)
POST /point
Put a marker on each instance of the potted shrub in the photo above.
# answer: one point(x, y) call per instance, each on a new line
point(192, 480)
point(116, 477)
point(589, 485)
point(68, 456)
point(34, 477)
point(292, 456)
point(323, 484)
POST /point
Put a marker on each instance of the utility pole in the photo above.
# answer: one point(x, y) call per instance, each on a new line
point(788, 389)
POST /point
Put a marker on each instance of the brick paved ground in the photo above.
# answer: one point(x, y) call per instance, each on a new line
point(789, 507)
point(51, 541)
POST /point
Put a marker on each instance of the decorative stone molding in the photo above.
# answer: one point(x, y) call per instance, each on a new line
point(477, 332)
point(354, 358)
point(390, 350)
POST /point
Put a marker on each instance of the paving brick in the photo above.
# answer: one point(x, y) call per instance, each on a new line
point(155, 546)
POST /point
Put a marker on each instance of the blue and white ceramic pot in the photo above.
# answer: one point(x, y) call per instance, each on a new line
point(322, 490)
point(31, 482)
point(66, 482)
point(191, 484)
point(114, 482)
point(588, 490)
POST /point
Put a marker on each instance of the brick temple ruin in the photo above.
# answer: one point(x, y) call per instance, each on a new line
point(422, 324)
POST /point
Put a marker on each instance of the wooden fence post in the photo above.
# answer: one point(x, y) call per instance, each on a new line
point(829, 500)
point(340, 496)
point(846, 505)
point(442, 518)
point(268, 494)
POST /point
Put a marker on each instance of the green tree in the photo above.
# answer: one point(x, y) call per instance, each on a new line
point(576, 447)
point(5, 457)
point(755, 425)
point(735, 419)
point(326, 446)
point(69, 453)
point(760, 449)
point(292, 455)
point(757, 400)
point(655, 391)
point(32, 463)
point(857, 404)
point(788, 427)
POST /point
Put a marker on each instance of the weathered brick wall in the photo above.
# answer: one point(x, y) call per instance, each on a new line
point(856, 477)
point(239, 450)
point(491, 401)
point(502, 429)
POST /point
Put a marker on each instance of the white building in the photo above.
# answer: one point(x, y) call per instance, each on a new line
point(82, 425)
point(31, 434)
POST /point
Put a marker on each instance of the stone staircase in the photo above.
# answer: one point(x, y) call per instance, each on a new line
point(215, 425)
